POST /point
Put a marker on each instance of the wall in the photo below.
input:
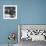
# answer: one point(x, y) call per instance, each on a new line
point(7, 26)
point(29, 12)
point(34, 12)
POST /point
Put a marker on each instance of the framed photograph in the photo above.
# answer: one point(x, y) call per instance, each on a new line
point(9, 11)
point(32, 32)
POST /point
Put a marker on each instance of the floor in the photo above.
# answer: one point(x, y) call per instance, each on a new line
point(7, 45)
point(30, 43)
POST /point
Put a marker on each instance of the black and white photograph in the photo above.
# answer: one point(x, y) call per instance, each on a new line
point(9, 11)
